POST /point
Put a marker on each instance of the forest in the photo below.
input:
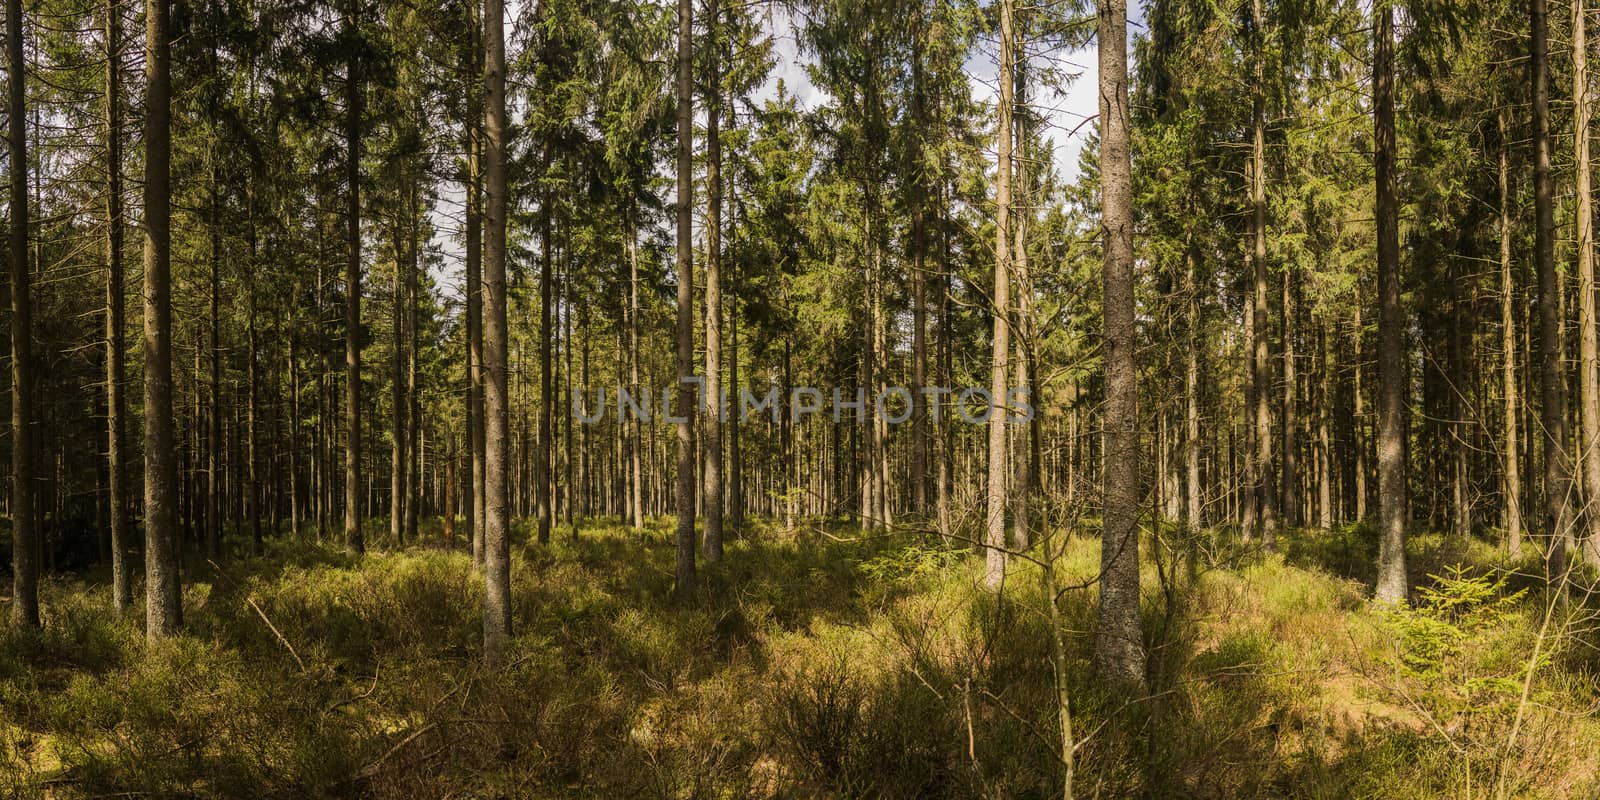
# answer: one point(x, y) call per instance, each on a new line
point(799, 399)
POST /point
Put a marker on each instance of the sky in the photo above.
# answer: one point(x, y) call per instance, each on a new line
point(1068, 115)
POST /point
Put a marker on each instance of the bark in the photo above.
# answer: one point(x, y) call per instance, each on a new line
point(1119, 648)
point(1559, 522)
point(116, 342)
point(474, 497)
point(712, 497)
point(496, 402)
point(163, 611)
point(1511, 470)
point(1191, 394)
point(397, 399)
point(684, 585)
point(1391, 586)
point(1588, 338)
point(353, 540)
point(1267, 502)
point(995, 531)
point(25, 544)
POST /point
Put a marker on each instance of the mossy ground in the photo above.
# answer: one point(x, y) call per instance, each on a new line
point(812, 664)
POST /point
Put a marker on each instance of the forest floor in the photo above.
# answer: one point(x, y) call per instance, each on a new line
point(813, 664)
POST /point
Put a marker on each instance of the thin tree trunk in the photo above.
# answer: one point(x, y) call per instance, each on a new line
point(353, 540)
point(116, 342)
point(685, 577)
point(1511, 470)
point(712, 440)
point(397, 399)
point(1261, 357)
point(1588, 338)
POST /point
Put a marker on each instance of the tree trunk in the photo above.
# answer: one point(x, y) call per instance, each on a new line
point(1588, 338)
point(397, 399)
point(353, 540)
point(685, 577)
point(474, 498)
point(1261, 357)
point(163, 598)
point(1119, 647)
point(25, 547)
point(496, 403)
point(1559, 515)
point(116, 342)
point(995, 531)
point(1511, 471)
point(713, 305)
point(1391, 587)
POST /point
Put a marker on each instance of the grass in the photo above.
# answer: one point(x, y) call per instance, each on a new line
point(809, 665)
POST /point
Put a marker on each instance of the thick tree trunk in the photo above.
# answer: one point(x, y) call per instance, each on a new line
point(684, 585)
point(25, 547)
point(1559, 519)
point(163, 598)
point(995, 530)
point(116, 342)
point(414, 487)
point(1119, 646)
point(1392, 586)
point(496, 403)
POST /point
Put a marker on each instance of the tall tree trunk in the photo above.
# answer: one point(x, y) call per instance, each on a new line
point(685, 577)
point(414, 493)
point(353, 540)
point(1191, 395)
point(474, 498)
point(1290, 484)
point(397, 397)
point(713, 306)
point(919, 288)
point(543, 472)
point(1588, 337)
point(1261, 370)
point(1391, 587)
point(496, 402)
point(1119, 646)
point(1511, 470)
point(25, 547)
point(1028, 438)
point(995, 530)
point(636, 442)
point(163, 611)
point(1559, 515)
point(116, 342)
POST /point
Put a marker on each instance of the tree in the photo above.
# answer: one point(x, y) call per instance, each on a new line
point(497, 429)
point(999, 467)
point(1559, 519)
point(1392, 586)
point(1588, 328)
point(1119, 648)
point(116, 343)
point(712, 497)
point(25, 546)
point(685, 577)
point(163, 610)
point(353, 538)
